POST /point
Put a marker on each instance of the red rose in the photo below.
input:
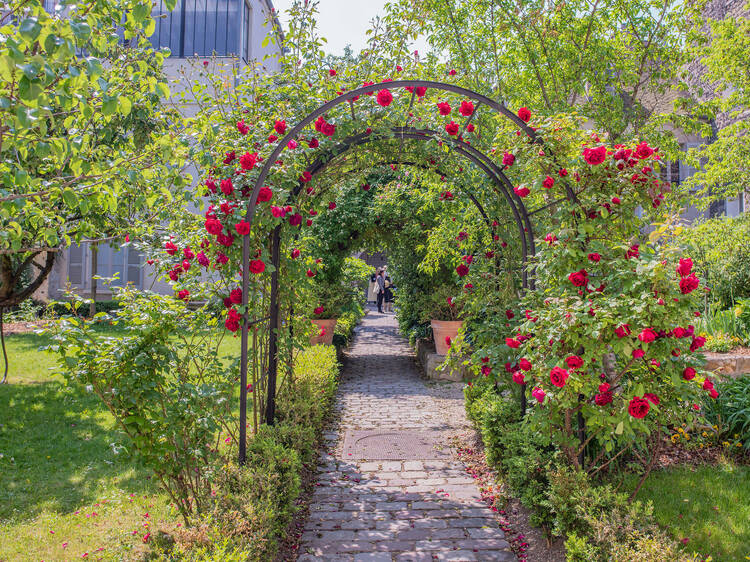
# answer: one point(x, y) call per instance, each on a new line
point(688, 373)
point(647, 335)
point(509, 314)
point(521, 191)
point(486, 370)
point(295, 253)
point(633, 252)
point(231, 324)
point(242, 128)
point(508, 159)
point(524, 114)
point(248, 160)
point(616, 200)
point(280, 126)
point(264, 194)
point(448, 341)
point(331, 72)
point(685, 267)
point(539, 394)
point(295, 219)
point(229, 157)
point(202, 259)
point(574, 362)
point(310, 273)
point(653, 398)
point(518, 377)
point(451, 128)
point(594, 257)
point(170, 248)
point(226, 187)
point(278, 212)
point(622, 331)
point(444, 108)
point(183, 295)
point(257, 266)
point(462, 270)
point(514, 344)
point(466, 108)
point(332, 205)
point(697, 343)
point(305, 177)
point(235, 296)
point(689, 284)
point(524, 364)
point(548, 182)
point(221, 258)
point(420, 91)
point(708, 385)
point(242, 228)
point(595, 156)
point(713, 394)
point(318, 311)
point(603, 398)
point(643, 150)
point(366, 187)
point(562, 172)
point(213, 226)
point(558, 376)
point(579, 278)
point(384, 98)
point(638, 353)
point(638, 407)
point(604, 387)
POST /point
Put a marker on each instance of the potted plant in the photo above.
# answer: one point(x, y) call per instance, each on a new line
point(329, 300)
point(444, 313)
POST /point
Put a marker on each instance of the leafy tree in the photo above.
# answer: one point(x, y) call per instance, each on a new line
point(611, 60)
point(721, 51)
point(87, 152)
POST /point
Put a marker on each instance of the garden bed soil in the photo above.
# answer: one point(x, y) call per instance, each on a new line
point(23, 327)
point(677, 455)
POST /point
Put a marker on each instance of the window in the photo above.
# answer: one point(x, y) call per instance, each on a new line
point(125, 262)
point(198, 27)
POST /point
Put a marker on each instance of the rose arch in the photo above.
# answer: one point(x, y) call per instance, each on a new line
point(406, 134)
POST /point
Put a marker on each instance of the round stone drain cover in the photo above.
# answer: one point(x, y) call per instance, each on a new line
point(394, 445)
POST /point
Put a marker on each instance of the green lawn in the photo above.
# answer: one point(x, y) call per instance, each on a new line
point(61, 480)
point(708, 505)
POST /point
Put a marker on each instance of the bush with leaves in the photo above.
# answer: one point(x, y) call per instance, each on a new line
point(164, 383)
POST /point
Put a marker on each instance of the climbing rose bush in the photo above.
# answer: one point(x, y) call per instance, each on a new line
point(609, 332)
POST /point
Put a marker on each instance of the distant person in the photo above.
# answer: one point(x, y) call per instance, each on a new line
point(388, 298)
point(380, 290)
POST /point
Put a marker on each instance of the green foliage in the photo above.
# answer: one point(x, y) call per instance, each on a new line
point(165, 384)
point(723, 49)
point(720, 248)
point(87, 151)
point(255, 503)
point(556, 57)
point(730, 412)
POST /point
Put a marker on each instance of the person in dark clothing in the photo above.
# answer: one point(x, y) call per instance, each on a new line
point(381, 290)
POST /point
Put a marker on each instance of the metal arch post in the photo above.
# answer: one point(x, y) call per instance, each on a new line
point(273, 328)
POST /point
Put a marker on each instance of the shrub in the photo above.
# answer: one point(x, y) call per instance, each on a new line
point(730, 412)
point(256, 502)
point(163, 382)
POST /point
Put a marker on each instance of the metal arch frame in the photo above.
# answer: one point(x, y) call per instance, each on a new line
point(479, 158)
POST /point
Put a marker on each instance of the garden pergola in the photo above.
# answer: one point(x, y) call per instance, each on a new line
point(522, 217)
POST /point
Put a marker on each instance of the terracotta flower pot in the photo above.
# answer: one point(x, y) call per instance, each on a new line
point(324, 334)
point(442, 329)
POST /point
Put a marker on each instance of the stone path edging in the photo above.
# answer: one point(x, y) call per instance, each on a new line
point(410, 509)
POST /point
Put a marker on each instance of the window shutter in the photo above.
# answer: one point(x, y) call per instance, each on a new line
point(76, 268)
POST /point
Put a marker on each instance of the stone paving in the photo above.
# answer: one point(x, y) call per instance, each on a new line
point(420, 507)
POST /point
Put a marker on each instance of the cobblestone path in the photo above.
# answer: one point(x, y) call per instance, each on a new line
point(389, 487)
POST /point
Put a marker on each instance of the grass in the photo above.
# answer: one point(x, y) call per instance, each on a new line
point(64, 491)
point(708, 505)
